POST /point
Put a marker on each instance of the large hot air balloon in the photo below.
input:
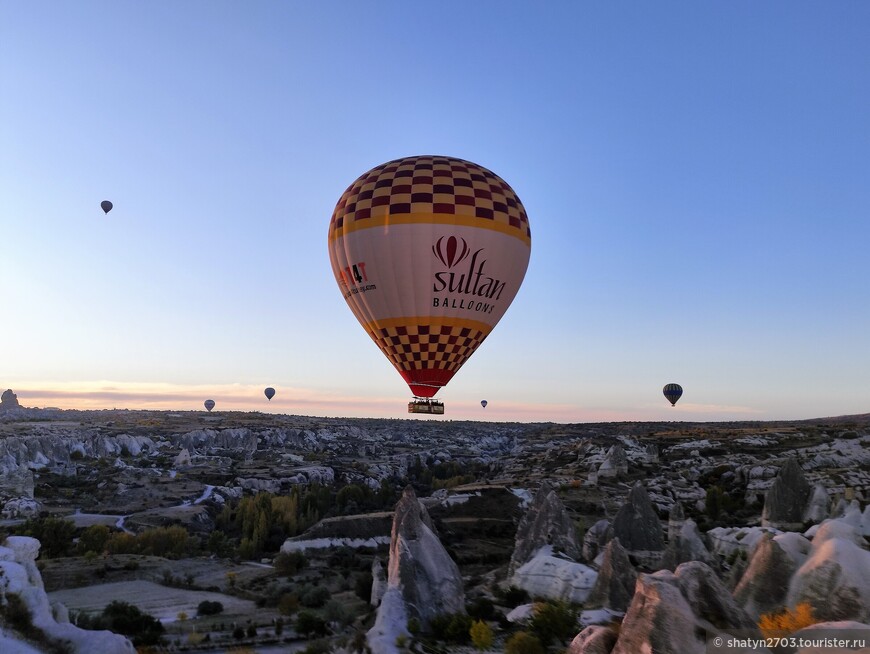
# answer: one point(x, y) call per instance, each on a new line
point(270, 393)
point(672, 392)
point(106, 206)
point(483, 403)
point(209, 405)
point(429, 252)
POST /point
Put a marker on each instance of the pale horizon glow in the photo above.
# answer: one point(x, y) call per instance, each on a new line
point(695, 176)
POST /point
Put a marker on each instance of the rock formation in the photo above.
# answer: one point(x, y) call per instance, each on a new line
point(786, 501)
point(816, 509)
point(678, 611)
point(595, 538)
point(687, 544)
point(594, 639)
point(764, 584)
point(422, 580)
point(835, 578)
point(554, 576)
point(614, 587)
point(19, 577)
point(615, 463)
point(638, 528)
point(379, 581)
point(9, 400)
point(546, 522)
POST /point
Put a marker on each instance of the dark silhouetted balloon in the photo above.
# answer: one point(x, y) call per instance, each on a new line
point(673, 392)
point(106, 206)
point(483, 403)
point(270, 393)
point(209, 405)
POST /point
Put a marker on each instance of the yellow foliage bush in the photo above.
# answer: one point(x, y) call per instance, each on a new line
point(786, 622)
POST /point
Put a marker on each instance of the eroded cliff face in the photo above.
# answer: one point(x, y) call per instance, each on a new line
point(21, 585)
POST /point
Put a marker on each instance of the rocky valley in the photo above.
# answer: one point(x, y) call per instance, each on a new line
point(289, 533)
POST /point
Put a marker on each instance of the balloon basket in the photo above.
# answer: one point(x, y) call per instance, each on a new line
point(424, 405)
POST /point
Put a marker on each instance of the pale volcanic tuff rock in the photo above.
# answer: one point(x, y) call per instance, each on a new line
point(419, 565)
point(615, 464)
point(554, 576)
point(546, 522)
point(9, 400)
point(422, 580)
point(596, 538)
point(638, 528)
point(20, 576)
point(787, 498)
point(594, 639)
point(56, 449)
point(616, 580)
point(764, 584)
point(686, 545)
point(835, 578)
point(817, 506)
point(677, 612)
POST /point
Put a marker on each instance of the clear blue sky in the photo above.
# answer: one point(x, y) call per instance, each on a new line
point(697, 179)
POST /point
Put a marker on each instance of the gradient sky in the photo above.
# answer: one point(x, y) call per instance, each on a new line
point(696, 175)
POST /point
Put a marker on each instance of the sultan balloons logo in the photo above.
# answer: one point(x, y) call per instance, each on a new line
point(429, 252)
point(449, 254)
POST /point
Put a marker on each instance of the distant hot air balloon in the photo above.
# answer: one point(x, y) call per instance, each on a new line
point(483, 403)
point(429, 252)
point(106, 206)
point(209, 405)
point(270, 393)
point(673, 393)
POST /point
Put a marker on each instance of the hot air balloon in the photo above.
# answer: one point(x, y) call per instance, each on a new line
point(429, 252)
point(106, 206)
point(270, 393)
point(672, 393)
point(209, 405)
point(483, 403)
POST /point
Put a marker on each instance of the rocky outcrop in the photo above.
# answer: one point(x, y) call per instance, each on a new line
point(554, 576)
point(787, 499)
point(615, 463)
point(616, 580)
point(764, 584)
point(545, 523)
point(835, 578)
point(816, 509)
point(594, 639)
point(9, 400)
point(687, 544)
point(638, 528)
point(20, 581)
point(595, 539)
point(678, 611)
point(379, 581)
point(419, 565)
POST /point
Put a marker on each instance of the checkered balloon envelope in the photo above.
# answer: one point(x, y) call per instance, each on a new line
point(429, 252)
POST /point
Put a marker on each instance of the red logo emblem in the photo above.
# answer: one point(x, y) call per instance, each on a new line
point(450, 252)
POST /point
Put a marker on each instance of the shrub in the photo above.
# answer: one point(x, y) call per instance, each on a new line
point(126, 619)
point(481, 635)
point(207, 607)
point(310, 624)
point(289, 563)
point(553, 620)
point(786, 622)
point(316, 597)
point(523, 642)
point(363, 586)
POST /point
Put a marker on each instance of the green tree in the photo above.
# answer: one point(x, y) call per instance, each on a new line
point(481, 635)
point(93, 539)
point(54, 534)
